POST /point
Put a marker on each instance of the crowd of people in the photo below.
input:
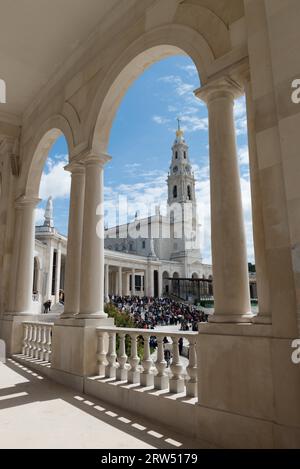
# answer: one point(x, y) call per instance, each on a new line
point(147, 313)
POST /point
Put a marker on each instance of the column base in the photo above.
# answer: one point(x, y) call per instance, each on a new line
point(231, 318)
point(121, 374)
point(74, 345)
point(262, 319)
point(133, 377)
point(11, 330)
point(91, 316)
point(176, 385)
point(66, 315)
point(147, 379)
point(253, 380)
point(161, 382)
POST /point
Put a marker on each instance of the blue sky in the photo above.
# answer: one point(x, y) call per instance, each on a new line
point(140, 145)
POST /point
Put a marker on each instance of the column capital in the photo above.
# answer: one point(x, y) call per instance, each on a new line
point(224, 87)
point(27, 201)
point(75, 167)
point(11, 146)
point(94, 158)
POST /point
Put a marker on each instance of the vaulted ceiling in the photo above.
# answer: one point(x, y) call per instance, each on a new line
point(38, 36)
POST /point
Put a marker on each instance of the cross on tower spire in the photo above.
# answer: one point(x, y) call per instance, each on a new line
point(179, 133)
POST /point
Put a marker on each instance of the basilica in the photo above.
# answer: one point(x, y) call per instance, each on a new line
point(145, 257)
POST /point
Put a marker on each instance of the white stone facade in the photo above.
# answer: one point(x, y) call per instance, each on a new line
point(171, 240)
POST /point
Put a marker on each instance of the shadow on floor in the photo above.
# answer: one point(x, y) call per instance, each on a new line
point(39, 388)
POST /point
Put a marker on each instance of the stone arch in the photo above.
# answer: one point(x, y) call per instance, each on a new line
point(38, 150)
point(166, 282)
point(149, 48)
point(195, 275)
point(175, 284)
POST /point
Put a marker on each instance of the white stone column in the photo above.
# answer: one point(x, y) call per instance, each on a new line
point(50, 271)
point(24, 263)
point(92, 255)
point(57, 273)
point(150, 281)
point(133, 282)
point(73, 259)
point(120, 287)
point(230, 266)
point(160, 282)
point(128, 293)
point(262, 278)
point(106, 283)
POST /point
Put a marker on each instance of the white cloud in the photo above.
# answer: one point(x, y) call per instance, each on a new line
point(190, 69)
point(194, 123)
point(160, 120)
point(39, 216)
point(187, 105)
point(240, 115)
point(243, 153)
point(181, 88)
point(56, 181)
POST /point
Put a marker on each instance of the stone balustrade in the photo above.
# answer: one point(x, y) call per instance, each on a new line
point(114, 362)
point(37, 340)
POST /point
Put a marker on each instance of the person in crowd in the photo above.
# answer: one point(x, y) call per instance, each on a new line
point(47, 306)
point(147, 313)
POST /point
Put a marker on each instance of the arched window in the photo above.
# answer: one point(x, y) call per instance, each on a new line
point(189, 193)
point(175, 192)
point(184, 154)
point(176, 155)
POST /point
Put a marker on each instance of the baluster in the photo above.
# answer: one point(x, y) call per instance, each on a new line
point(133, 373)
point(38, 342)
point(34, 341)
point(191, 387)
point(30, 336)
point(176, 381)
point(50, 342)
point(110, 369)
point(43, 343)
point(25, 340)
point(122, 373)
point(47, 356)
point(147, 376)
point(161, 380)
point(101, 352)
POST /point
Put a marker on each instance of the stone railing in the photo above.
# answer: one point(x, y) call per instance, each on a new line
point(37, 340)
point(147, 372)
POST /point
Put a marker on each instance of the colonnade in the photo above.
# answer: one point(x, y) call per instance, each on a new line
point(121, 280)
point(85, 273)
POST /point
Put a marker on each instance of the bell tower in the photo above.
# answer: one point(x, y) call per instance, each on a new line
point(182, 203)
point(181, 180)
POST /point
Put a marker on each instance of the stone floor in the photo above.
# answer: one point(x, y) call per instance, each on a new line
point(38, 413)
